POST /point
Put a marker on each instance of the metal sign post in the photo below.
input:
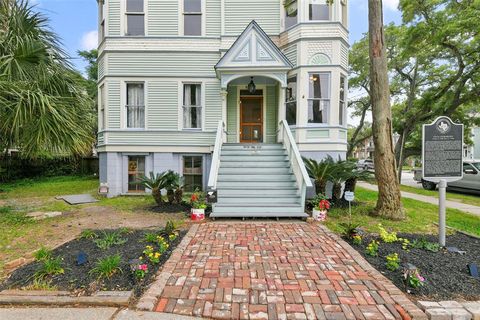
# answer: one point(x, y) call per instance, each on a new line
point(442, 161)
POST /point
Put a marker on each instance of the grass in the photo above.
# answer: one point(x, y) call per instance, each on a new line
point(421, 217)
point(454, 196)
point(107, 267)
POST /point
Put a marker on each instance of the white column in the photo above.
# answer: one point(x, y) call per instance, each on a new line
point(281, 104)
point(224, 94)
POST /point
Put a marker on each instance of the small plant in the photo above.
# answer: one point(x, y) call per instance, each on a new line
point(316, 200)
point(424, 244)
point(169, 227)
point(405, 244)
point(43, 254)
point(393, 262)
point(372, 248)
point(40, 284)
point(413, 278)
point(107, 267)
point(162, 244)
point(357, 239)
point(125, 230)
point(350, 229)
point(88, 234)
point(197, 200)
point(322, 205)
point(109, 240)
point(387, 237)
point(172, 236)
point(50, 267)
point(150, 237)
point(140, 270)
point(151, 255)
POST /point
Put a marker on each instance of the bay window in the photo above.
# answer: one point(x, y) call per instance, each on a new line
point(135, 18)
point(135, 105)
point(319, 97)
point(291, 13)
point(341, 107)
point(291, 101)
point(192, 17)
point(192, 106)
point(319, 10)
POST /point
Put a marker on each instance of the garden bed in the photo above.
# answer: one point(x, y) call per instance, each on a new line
point(446, 274)
point(81, 280)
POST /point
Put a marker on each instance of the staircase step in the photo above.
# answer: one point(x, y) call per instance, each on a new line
point(255, 164)
point(251, 152)
point(253, 214)
point(256, 209)
point(252, 158)
point(253, 170)
point(256, 177)
point(291, 200)
point(242, 146)
point(256, 184)
point(257, 193)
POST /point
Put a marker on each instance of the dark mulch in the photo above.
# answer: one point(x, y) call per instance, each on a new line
point(172, 208)
point(77, 278)
point(446, 274)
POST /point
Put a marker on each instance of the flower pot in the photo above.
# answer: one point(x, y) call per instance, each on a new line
point(319, 215)
point(198, 214)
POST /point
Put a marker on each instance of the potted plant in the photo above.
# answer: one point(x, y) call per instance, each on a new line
point(320, 210)
point(199, 205)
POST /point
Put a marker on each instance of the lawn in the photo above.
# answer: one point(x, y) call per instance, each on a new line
point(421, 216)
point(454, 196)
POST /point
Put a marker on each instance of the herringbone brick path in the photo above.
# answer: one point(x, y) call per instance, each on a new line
point(277, 271)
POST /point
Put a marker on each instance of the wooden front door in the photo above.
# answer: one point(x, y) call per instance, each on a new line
point(251, 119)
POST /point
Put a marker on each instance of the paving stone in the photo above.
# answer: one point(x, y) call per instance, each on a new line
point(450, 304)
point(57, 313)
point(473, 308)
point(428, 304)
point(438, 314)
point(460, 314)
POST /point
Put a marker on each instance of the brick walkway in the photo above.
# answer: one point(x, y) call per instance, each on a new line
point(272, 270)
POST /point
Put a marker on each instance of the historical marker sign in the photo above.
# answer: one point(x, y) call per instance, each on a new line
point(442, 150)
point(349, 196)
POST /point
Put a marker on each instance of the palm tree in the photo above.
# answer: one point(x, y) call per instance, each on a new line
point(351, 181)
point(44, 110)
point(338, 174)
point(155, 183)
point(320, 172)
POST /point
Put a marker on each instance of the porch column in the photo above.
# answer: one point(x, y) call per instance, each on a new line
point(224, 94)
point(281, 105)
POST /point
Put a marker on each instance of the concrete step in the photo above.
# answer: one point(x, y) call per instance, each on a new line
point(257, 193)
point(255, 164)
point(256, 178)
point(254, 170)
point(248, 152)
point(246, 185)
point(242, 146)
point(270, 158)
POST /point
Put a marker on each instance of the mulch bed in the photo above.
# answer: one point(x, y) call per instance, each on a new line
point(446, 273)
point(77, 278)
point(172, 208)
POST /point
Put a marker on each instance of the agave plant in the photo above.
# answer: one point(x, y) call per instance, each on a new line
point(155, 183)
point(320, 172)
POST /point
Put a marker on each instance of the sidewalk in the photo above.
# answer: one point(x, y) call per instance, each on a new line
point(475, 210)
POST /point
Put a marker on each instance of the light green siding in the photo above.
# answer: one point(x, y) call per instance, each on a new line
point(271, 115)
point(316, 133)
point(291, 54)
point(213, 21)
point(232, 120)
point(113, 108)
point(213, 105)
point(101, 67)
point(163, 17)
point(239, 13)
point(161, 138)
point(166, 64)
point(113, 23)
point(162, 104)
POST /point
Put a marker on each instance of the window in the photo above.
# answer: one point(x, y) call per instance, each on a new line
point(341, 107)
point(135, 105)
point(101, 16)
point(319, 97)
point(192, 173)
point(319, 10)
point(291, 101)
point(192, 106)
point(135, 18)
point(102, 120)
point(291, 13)
point(136, 170)
point(344, 12)
point(192, 17)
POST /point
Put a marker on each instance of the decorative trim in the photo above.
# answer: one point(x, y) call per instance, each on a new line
point(319, 59)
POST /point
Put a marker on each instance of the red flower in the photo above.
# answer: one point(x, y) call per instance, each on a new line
point(194, 197)
point(324, 205)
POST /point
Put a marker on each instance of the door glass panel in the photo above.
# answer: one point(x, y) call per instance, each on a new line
point(252, 120)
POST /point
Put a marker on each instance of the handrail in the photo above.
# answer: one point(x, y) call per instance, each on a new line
point(290, 144)
point(219, 140)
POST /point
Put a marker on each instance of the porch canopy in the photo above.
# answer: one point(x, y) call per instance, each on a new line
point(253, 54)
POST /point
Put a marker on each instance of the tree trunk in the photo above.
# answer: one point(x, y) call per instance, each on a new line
point(320, 186)
point(389, 203)
point(157, 195)
point(337, 192)
point(179, 196)
point(170, 195)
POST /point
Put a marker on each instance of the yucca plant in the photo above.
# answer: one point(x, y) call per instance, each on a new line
point(154, 182)
point(319, 171)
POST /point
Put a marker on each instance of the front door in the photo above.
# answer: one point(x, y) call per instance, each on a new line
point(251, 119)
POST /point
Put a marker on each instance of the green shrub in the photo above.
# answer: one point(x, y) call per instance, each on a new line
point(424, 244)
point(107, 267)
point(150, 237)
point(43, 254)
point(387, 237)
point(88, 234)
point(372, 248)
point(49, 268)
point(393, 262)
point(110, 239)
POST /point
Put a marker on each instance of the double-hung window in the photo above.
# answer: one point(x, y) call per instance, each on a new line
point(192, 17)
point(291, 13)
point(291, 101)
point(135, 18)
point(192, 106)
point(135, 105)
point(319, 10)
point(341, 107)
point(319, 97)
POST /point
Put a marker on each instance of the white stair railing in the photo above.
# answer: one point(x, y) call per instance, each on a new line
point(219, 140)
point(296, 162)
